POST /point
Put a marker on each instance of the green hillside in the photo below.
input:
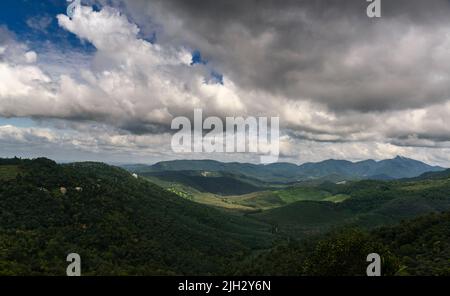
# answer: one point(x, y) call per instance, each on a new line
point(191, 185)
point(212, 182)
point(415, 247)
point(118, 224)
point(304, 218)
point(8, 172)
point(123, 225)
point(366, 204)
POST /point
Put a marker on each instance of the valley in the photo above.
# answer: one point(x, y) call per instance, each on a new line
point(195, 222)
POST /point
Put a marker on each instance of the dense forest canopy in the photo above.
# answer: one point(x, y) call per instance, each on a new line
point(123, 225)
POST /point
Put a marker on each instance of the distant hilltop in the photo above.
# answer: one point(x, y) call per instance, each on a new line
point(332, 169)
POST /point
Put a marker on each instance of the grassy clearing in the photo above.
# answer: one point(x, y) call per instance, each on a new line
point(8, 172)
point(337, 198)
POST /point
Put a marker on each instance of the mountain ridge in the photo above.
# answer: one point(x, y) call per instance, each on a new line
point(395, 168)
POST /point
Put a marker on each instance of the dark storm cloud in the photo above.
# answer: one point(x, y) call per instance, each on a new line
point(323, 50)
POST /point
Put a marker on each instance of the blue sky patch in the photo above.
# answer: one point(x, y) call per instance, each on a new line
point(35, 23)
point(197, 58)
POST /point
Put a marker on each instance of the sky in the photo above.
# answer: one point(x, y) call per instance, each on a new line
point(105, 84)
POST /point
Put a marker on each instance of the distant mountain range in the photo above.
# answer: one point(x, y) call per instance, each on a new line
point(328, 170)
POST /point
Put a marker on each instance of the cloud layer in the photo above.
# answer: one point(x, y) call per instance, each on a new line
point(344, 86)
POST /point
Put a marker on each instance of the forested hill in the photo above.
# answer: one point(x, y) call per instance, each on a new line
point(122, 224)
point(332, 169)
point(415, 247)
point(117, 223)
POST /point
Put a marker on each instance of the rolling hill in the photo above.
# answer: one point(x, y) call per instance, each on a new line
point(212, 182)
point(126, 225)
point(228, 191)
point(335, 170)
point(417, 247)
point(117, 223)
point(368, 204)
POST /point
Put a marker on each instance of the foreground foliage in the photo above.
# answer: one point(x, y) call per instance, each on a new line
point(122, 225)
